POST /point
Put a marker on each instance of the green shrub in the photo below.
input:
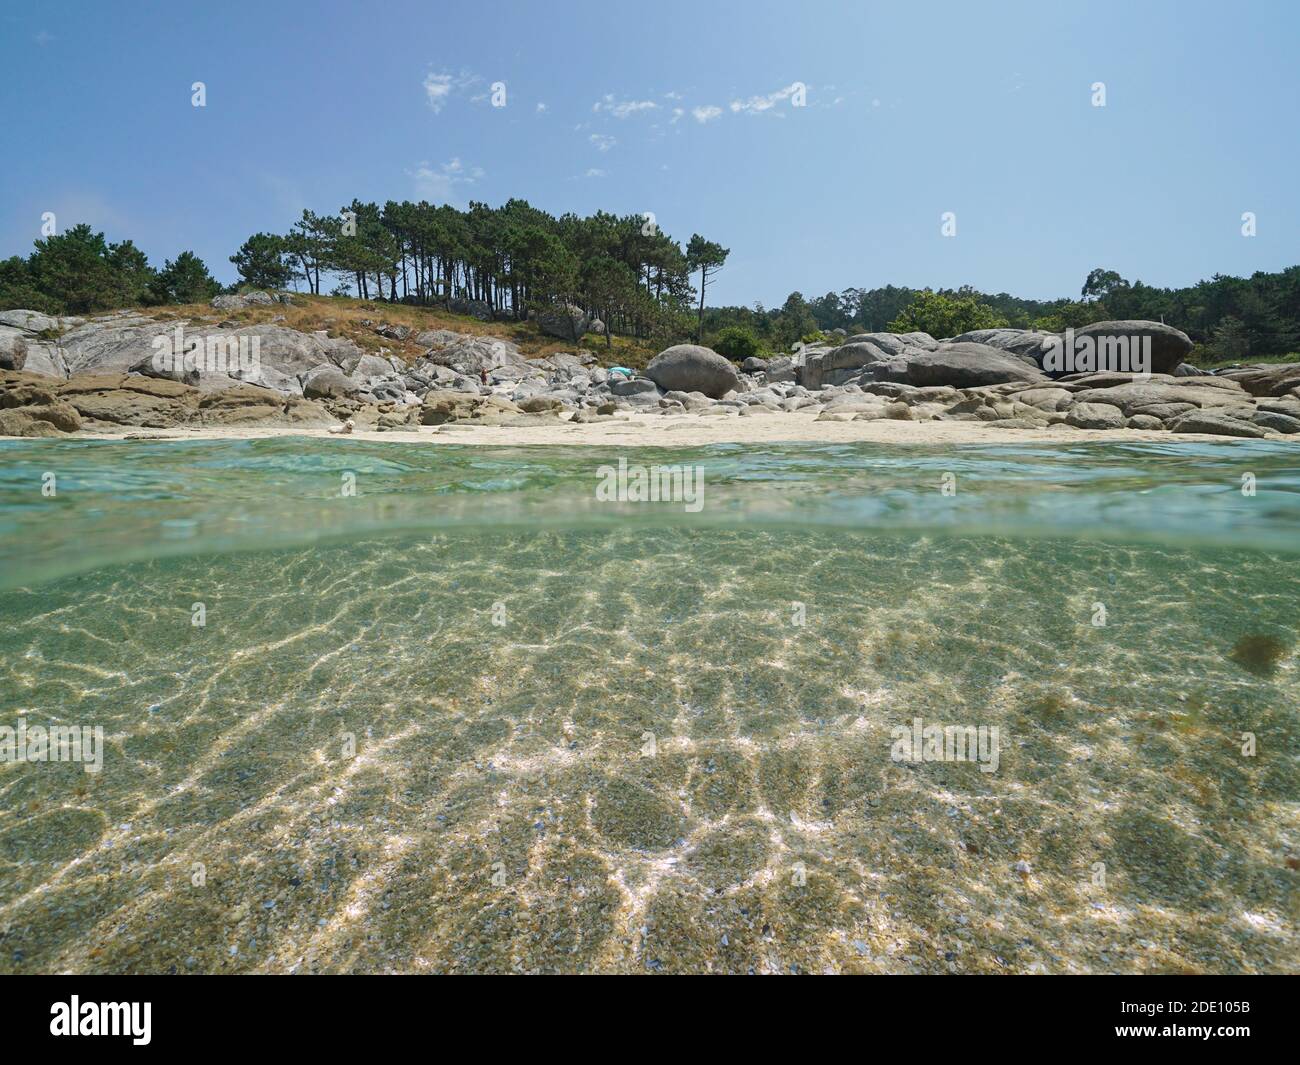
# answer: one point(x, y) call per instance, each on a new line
point(945, 316)
point(736, 343)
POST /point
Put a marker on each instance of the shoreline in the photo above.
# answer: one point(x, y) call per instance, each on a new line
point(676, 430)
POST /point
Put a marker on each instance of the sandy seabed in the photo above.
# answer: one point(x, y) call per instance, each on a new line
point(649, 767)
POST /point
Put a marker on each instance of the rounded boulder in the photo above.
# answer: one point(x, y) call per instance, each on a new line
point(693, 368)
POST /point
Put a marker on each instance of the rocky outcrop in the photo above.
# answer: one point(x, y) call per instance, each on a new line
point(895, 343)
point(1023, 343)
point(1169, 346)
point(1278, 380)
point(129, 399)
point(1213, 422)
point(1135, 396)
point(473, 354)
point(213, 358)
point(32, 405)
point(273, 354)
point(633, 386)
point(1095, 416)
point(474, 308)
point(567, 322)
point(444, 407)
point(693, 368)
point(324, 382)
point(251, 405)
point(29, 341)
point(839, 365)
point(968, 365)
point(235, 302)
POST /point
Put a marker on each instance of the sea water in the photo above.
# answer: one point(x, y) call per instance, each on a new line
point(373, 707)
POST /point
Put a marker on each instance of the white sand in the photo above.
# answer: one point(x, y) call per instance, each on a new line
point(688, 430)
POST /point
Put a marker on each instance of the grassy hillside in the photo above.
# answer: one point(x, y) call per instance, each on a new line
point(346, 317)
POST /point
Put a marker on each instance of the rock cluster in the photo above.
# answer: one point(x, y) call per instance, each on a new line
point(60, 375)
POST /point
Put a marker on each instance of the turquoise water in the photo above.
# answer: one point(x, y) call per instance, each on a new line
point(472, 719)
point(118, 502)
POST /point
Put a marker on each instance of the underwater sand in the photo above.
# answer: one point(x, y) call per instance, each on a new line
point(403, 749)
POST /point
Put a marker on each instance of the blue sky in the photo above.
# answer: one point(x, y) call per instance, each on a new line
point(683, 109)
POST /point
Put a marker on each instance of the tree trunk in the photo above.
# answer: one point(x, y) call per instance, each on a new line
point(699, 322)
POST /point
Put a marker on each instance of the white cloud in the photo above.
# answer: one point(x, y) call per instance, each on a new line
point(623, 108)
point(758, 104)
point(541, 108)
point(438, 88)
point(596, 172)
point(677, 115)
point(437, 182)
point(706, 114)
point(602, 142)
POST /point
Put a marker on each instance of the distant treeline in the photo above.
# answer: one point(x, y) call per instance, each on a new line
point(1228, 317)
point(78, 272)
point(622, 269)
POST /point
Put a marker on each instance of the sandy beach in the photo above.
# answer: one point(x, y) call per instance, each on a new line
point(688, 430)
